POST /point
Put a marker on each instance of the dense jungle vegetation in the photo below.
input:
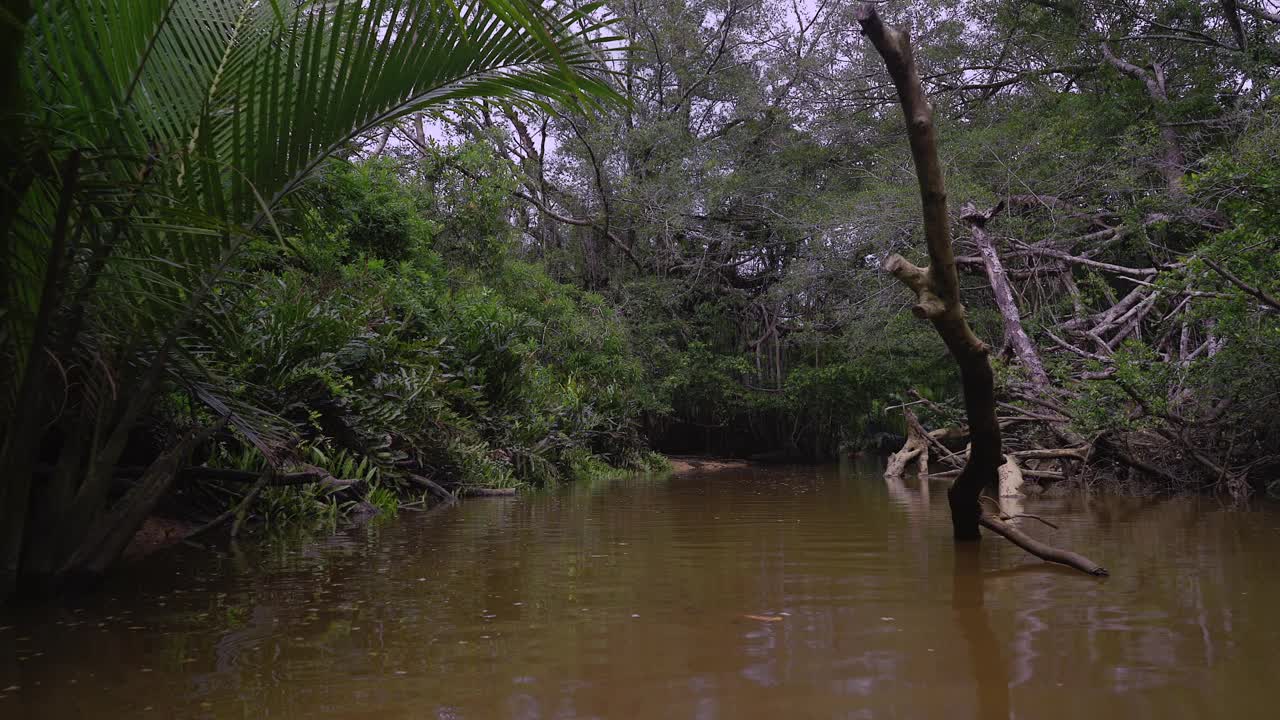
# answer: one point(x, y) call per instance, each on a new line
point(277, 259)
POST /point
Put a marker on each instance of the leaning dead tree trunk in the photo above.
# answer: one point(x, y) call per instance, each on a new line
point(1015, 334)
point(110, 534)
point(937, 289)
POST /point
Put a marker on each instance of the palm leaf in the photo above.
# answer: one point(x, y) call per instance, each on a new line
point(157, 136)
point(224, 107)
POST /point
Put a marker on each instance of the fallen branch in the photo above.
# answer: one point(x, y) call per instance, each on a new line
point(1045, 552)
point(1076, 453)
point(487, 492)
point(433, 488)
point(1033, 517)
point(1025, 414)
point(1258, 293)
point(1006, 516)
point(237, 511)
point(1046, 474)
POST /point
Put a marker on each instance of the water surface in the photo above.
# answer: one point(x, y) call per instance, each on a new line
point(781, 593)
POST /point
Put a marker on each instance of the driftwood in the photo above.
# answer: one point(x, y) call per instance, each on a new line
point(1010, 474)
point(916, 448)
point(487, 492)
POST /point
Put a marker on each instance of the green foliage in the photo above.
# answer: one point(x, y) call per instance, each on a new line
point(1138, 376)
point(146, 144)
point(375, 215)
point(447, 357)
point(829, 398)
point(1245, 181)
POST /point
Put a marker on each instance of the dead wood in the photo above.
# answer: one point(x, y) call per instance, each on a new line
point(937, 292)
point(1044, 551)
point(937, 286)
point(487, 492)
point(916, 448)
point(1015, 334)
point(433, 488)
point(1044, 474)
point(1075, 453)
point(110, 534)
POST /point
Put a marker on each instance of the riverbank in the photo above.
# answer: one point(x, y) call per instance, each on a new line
point(161, 532)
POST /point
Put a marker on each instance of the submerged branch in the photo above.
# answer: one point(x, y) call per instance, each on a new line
point(1045, 552)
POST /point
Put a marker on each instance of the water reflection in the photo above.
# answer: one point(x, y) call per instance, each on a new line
point(986, 655)
point(789, 593)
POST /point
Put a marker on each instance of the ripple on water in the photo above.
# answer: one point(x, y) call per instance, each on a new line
point(746, 594)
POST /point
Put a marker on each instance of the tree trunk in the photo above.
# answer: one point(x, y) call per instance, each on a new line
point(1172, 164)
point(937, 286)
point(23, 437)
point(937, 289)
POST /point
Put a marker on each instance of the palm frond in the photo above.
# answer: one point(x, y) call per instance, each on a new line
point(196, 117)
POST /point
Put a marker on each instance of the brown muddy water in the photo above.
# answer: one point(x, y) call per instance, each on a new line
point(783, 593)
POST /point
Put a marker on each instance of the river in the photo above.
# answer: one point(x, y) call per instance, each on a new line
point(759, 593)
